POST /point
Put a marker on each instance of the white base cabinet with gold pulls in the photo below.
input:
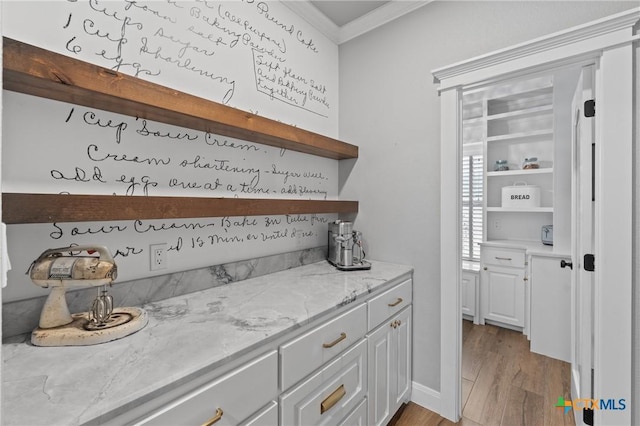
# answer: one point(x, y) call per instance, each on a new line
point(389, 353)
point(352, 367)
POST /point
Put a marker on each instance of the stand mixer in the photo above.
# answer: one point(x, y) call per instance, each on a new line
point(64, 268)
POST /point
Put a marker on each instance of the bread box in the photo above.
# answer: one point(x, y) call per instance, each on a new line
point(521, 195)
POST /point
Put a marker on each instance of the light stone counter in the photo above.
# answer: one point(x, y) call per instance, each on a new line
point(186, 335)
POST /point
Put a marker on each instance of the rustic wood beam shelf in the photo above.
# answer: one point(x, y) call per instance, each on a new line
point(39, 72)
point(49, 208)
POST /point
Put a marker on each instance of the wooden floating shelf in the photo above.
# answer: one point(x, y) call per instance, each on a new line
point(39, 72)
point(48, 208)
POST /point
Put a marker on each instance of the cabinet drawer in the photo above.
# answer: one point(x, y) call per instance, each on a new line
point(329, 395)
point(358, 417)
point(267, 416)
point(236, 396)
point(311, 350)
point(503, 257)
point(389, 303)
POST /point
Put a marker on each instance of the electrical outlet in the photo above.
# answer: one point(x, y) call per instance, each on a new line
point(497, 224)
point(158, 256)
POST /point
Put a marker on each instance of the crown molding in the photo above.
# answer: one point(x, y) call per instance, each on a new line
point(313, 16)
point(377, 17)
point(588, 32)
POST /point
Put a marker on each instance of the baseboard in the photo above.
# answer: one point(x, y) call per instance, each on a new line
point(425, 397)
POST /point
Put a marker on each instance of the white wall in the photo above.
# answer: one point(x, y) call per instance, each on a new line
point(255, 56)
point(390, 108)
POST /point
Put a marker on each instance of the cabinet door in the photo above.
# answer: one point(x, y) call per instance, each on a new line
point(468, 294)
point(503, 295)
point(401, 362)
point(550, 308)
point(389, 350)
point(379, 359)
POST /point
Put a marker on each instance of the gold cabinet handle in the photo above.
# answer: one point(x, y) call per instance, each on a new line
point(503, 258)
point(396, 303)
point(332, 399)
point(335, 342)
point(485, 268)
point(215, 418)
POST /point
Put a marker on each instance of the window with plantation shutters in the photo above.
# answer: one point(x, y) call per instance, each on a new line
point(472, 194)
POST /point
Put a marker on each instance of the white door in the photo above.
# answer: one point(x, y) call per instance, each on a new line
point(583, 242)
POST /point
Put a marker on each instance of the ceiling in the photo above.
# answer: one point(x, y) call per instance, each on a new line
point(344, 20)
point(343, 12)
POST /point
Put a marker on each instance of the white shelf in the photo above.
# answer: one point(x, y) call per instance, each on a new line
point(520, 172)
point(520, 210)
point(522, 135)
point(528, 112)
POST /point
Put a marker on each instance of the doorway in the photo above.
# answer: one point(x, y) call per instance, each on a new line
point(516, 241)
point(608, 43)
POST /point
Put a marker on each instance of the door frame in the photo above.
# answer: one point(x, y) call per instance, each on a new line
point(609, 43)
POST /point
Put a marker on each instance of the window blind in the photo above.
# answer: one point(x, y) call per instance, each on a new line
point(472, 196)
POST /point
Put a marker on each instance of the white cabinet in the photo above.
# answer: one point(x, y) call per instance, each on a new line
point(329, 395)
point(325, 374)
point(502, 281)
point(389, 349)
point(469, 295)
point(231, 399)
point(550, 307)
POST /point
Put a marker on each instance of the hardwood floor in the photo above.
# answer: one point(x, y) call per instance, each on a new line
point(503, 383)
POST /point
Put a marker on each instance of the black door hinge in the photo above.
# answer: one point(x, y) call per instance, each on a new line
point(590, 108)
point(589, 262)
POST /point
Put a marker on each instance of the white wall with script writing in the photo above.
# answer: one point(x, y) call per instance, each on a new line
point(255, 56)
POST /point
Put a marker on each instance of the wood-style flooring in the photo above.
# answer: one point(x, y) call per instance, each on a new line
point(503, 383)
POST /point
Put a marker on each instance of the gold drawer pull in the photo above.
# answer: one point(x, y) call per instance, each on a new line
point(332, 399)
point(215, 418)
point(503, 258)
point(396, 303)
point(335, 342)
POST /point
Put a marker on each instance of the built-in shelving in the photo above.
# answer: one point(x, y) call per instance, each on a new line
point(39, 72)
point(510, 123)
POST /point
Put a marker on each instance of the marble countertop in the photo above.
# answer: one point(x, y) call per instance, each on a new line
point(74, 385)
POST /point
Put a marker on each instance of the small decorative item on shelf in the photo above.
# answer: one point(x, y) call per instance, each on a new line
point(530, 163)
point(501, 166)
